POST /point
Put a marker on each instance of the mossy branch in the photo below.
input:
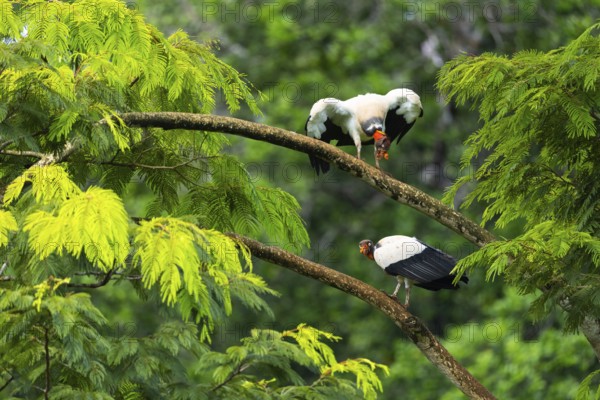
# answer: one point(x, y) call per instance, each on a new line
point(399, 191)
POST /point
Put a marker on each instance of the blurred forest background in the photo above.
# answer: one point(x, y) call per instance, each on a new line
point(296, 52)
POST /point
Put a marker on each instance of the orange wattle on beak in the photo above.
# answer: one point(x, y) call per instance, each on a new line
point(378, 135)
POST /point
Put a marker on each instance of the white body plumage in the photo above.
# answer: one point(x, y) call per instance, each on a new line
point(392, 249)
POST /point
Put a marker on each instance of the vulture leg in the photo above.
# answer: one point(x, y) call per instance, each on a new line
point(407, 292)
point(397, 286)
point(357, 143)
point(376, 158)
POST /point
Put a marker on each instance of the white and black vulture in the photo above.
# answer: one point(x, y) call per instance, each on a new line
point(412, 261)
point(370, 117)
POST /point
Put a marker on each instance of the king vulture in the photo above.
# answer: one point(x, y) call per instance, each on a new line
point(364, 117)
point(412, 261)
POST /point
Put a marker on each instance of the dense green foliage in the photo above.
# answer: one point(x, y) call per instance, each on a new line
point(66, 71)
point(546, 177)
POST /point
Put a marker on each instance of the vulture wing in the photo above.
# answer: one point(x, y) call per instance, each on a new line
point(328, 121)
point(404, 109)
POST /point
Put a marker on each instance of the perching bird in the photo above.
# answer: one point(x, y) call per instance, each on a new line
point(364, 117)
point(412, 261)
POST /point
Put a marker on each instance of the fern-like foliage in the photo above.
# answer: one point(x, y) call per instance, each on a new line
point(65, 228)
point(229, 201)
point(240, 371)
point(93, 222)
point(8, 223)
point(540, 116)
point(195, 268)
point(48, 184)
point(583, 392)
point(39, 324)
point(49, 323)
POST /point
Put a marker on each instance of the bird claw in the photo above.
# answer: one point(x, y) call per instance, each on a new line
point(395, 297)
point(386, 173)
point(390, 295)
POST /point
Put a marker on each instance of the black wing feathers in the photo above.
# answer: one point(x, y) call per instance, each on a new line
point(429, 269)
point(395, 125)
point(332, 132)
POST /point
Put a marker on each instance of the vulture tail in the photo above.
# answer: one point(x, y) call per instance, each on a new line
point(320, 166)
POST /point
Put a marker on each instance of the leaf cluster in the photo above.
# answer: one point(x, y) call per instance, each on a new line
point(272, 352)
point(534, 162)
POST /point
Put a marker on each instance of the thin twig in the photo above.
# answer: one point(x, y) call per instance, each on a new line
point(6, 144)
point(185, 178)
point(11, 141)
point(7, 383)
point(148, 166)
point(23, 153)
point(241, 367)
point(98, 284)
point(121, 274)
point(47, 353)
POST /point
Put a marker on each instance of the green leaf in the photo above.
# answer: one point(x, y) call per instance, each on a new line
point(583, 391)
point(48, 183)
point(93, 222)
point(8, 223)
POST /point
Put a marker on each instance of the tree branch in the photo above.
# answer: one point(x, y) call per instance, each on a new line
point(399, 191)
point(591, 330)
point(68, 149)
point(408, 323)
